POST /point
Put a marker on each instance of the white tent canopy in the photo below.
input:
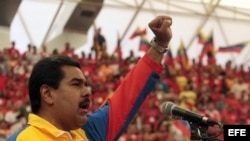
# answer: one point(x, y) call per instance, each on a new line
point(227, 19)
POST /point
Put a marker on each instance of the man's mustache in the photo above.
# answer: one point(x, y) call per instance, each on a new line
point(85, 102)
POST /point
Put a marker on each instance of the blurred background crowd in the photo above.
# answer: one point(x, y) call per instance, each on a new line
point(221, 93)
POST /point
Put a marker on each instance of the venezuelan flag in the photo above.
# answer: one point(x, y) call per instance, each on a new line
point(169, 61)
point(182, 56)
point(138, 32)
point(207, 47)
point(201, 37)
point(237, 48)
point(183, 127)
point(144, 44)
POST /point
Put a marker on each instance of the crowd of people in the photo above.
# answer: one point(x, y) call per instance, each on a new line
point(221, 93)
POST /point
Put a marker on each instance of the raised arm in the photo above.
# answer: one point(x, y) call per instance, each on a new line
point(140, 81)
point(160, 26)
point(112, 120)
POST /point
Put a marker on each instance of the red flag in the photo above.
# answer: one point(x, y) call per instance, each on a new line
point(138, 32)
point(237, 48)
point(208, 48)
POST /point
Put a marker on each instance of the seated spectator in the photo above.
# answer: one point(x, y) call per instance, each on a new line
point(238, 87)
point(3, 137)
point(131, 134)
point(5, 128)
point(148, 133)
point(13, 51)
point(163, 131)
point(67, 50)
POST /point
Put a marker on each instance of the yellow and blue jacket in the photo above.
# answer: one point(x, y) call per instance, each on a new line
point(109, 122)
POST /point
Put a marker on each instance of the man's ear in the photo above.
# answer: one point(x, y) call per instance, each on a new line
point(46, 95)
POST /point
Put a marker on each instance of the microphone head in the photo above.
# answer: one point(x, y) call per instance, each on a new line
point(167, 108)
point(175, 112)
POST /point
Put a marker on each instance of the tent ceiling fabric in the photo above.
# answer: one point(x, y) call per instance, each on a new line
point(8, 9)
point(209, 14)
point(199, 10)
point(49, 22)
point(239, 10)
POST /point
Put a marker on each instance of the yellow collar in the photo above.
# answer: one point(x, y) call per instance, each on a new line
point(45, 126)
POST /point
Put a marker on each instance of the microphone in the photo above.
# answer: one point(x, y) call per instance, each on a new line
point(177, 112)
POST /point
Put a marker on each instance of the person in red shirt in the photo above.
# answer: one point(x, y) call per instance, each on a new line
point(68, 50)
point(13, 51)
point(3, 80)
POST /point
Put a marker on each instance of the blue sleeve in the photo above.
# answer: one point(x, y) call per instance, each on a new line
point(96, 126)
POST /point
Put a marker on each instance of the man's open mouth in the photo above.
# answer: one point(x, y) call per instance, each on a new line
point(85, 103)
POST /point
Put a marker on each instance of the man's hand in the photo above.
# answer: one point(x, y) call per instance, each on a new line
point(160, 26)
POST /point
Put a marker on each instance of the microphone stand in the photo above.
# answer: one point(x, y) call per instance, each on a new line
point(198, 132)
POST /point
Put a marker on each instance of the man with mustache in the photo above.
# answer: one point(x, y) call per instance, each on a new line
point(59, 96)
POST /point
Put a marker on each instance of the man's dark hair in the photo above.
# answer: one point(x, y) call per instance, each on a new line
point(47, 71)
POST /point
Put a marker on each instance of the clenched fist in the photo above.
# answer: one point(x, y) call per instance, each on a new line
point(160, 26)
